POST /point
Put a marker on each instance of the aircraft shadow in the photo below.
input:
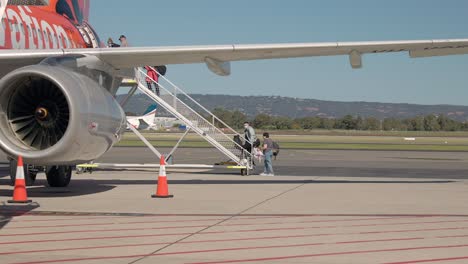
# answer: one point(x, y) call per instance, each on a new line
point(76, 188)
point(10, 211)
point(4, 173)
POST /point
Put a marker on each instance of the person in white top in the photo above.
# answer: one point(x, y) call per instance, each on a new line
point(123, 41)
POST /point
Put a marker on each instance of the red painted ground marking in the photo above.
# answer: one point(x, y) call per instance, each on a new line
point(428, 260)
point(362, 225)
point(70, 218)
point(319, 221)
point(125, 217)
point(103, 230)
point(91, 238)
point(328, 254)
point(411, 223)
point(203, 220)
point(206, 241)
point(454, 236)
point(246, 248)
point(125, 223)
point(228, 232)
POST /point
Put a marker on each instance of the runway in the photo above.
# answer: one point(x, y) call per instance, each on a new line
point(323, 207)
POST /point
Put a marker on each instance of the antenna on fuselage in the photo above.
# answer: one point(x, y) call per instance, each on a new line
point(28, 2)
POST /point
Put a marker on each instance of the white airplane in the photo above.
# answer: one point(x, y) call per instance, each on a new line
point(145, 121)
point(58, 82)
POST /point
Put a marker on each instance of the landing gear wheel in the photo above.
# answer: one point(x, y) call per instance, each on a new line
point(29, 175)
point(244, 172)
point(59, 176)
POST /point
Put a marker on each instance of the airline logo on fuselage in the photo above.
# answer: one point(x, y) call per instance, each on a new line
point(23, 30)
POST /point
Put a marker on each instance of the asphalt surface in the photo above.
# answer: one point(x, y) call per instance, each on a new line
point(323, 207)
point(335, 163)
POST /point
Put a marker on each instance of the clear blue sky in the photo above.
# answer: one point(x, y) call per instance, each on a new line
point(384, 78)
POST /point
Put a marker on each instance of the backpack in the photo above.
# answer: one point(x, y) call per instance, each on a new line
point(161, 69)
point(256, 143)
point(238, 142)
point(276, 149)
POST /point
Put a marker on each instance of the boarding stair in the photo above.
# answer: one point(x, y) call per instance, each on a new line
point(196, 117)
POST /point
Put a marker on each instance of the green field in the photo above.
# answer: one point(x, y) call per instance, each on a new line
point(336, 139)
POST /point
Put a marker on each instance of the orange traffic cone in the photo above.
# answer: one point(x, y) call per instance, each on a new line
point(19, 194)
point(162, 191)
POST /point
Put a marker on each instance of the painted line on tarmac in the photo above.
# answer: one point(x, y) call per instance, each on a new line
point(222, 240)
point(62, 213)
point(330, 254)
point(236, 218)
point(230, 232)
point(453, 236)
point(179, 221)
point(205, 241)
point(102, 230)
point(198, 226)
point(248, 248)
point(225, 220)
point(429, 260)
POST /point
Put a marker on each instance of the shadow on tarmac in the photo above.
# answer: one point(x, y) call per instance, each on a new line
point(76, 188)
point(9, 211)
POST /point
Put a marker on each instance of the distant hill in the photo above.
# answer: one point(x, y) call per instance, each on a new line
point(296, 107)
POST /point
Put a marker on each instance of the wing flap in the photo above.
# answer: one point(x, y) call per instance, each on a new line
point(122, 58)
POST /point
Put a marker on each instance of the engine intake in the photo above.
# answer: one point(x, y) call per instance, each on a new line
point(54, 115)
point(38, 112)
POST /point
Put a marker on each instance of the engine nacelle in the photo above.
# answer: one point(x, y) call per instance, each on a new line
point(56, 115)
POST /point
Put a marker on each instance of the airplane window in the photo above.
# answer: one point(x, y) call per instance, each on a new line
point(29, 30)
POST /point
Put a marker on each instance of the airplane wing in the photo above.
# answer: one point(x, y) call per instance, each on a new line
point(218, 57)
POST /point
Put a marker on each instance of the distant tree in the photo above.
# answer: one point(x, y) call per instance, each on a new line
point(359, 123)
point(347, 122)
point(390, 124)
point(237, 119)
point(431, 123)
point(262, 121)
point(224, 115)
point(415, 123)
point(371, 123)
point(296, 125)
point(447, 124)
point(327, 123)
point(282, 123)
point(309, 122)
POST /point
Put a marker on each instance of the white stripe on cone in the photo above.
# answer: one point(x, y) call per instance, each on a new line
point(162, 171)
point(19, 173)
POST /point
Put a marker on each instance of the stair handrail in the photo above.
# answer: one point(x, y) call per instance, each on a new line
point(199, 105)
point(138, 70)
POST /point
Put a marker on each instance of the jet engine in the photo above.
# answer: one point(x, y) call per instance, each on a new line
point(57, 115)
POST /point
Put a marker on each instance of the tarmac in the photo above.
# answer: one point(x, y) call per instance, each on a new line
point(322, 207)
